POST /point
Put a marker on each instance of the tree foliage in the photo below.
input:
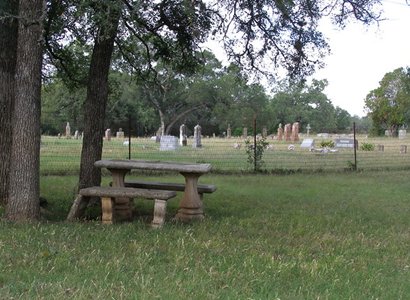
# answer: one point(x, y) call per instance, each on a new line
point(389, 104)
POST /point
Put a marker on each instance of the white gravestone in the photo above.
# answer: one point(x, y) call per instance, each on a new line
point(168, 143)
point(182, 135)
point(68, 131)
point(197, 137)
point(308, 143)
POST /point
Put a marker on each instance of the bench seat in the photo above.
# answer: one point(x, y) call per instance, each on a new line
point(179, 187)
point(108, 197)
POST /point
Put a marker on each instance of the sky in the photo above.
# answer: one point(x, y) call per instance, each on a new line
point(362, 55)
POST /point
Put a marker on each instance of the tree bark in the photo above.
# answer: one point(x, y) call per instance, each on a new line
point(95, 107)
point(24, 189)
point(8, 50)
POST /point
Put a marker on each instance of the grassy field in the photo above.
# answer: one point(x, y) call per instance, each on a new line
point(62, 156)
point(299, 236)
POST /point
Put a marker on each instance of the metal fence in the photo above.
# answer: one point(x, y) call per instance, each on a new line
point(62, 156)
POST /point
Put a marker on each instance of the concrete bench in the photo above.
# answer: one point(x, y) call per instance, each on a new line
point(178, 187)
point(109, 196)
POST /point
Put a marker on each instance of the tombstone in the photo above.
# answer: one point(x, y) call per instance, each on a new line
point(76, 134)
point(158, 135)
point(308, 129)
point(264, 132)
point(288, 132)
point(308, 143)
point(280, 132)
point(229, 132)
point(182, 135)
point(345, 143)
point(387, 133)
point(245, 132)
point(380, 148)
point(59, 135)
point(403, 149)
point(168, 143)
point(402, 134)
point(120, 133)
point(108, 134)
point(295, 132)
point(197, 137)
point(68, 131)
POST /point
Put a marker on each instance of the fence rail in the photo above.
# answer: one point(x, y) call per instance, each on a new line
point(62, 156)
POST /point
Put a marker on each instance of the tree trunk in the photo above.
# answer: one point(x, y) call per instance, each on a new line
point(94, 108)
point(8, 49)
point(24, 189)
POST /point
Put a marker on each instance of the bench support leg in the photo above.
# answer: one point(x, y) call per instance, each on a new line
point(190, 208)
point(160, 208)
point(107, 205)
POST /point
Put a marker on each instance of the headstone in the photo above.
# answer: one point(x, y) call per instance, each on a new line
point(245, 133)
point(280, 132)
point(108, 134)
point(59, 135)
point(288, 132)
point(68, 131)
point(402, 134)
point(308, 143)
point(197, 137)
point(229, 131)
point(158, 135)
point(120, 133)
point(387, 133)
point(308, 129)
point(168, 143)
point(380, 148)
point(403, 149)
point(76, 134)
point(295, 132)
point(182, 135)
point(344, 143)
point(264, 132)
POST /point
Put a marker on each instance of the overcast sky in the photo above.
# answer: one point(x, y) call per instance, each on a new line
point(361, 56)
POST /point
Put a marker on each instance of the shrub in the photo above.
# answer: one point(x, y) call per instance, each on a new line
point(327, 144)
point(367, 147)
point(255, 156)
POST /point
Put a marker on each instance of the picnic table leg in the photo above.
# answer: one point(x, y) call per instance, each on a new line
point(122, 207)
point(190, 207)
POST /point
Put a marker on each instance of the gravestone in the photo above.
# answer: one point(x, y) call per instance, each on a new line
point(344, 143)
point(229, 131)
point(76, 135)
point(108, 134)
point(295, 132)
point(308, 129)
point(280, 132)
point(380, 148)
point(68, 131)
point(387, 133)
point(288, 132)
point(403, 149)
point(197, 137)
point(245, 132)
point(168, 143)
point(182, 135)
point(308, 143)
point(120, 133)
point(402, 134)
point(264, 132)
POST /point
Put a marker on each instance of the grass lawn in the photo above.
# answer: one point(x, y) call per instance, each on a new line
point(316, 236)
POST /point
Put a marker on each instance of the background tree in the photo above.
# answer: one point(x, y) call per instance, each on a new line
point(389, 104)
point(8, 49)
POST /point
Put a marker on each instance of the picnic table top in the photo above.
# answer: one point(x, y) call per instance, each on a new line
point(153, 165)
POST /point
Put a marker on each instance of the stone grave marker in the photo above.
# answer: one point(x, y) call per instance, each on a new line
point(68, 131)
point(76, 134)
point(182, 135)
point(229, 132)
point(280, 132)
point(245, 132)
point(120, 133)
point(308, 143)
point(108, 134)
point(197, 137)
point(344, 143)
point(168, 143)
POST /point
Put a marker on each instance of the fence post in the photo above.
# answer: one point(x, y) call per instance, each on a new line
point(355, 146)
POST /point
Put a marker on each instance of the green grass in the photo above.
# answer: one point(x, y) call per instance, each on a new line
point(316, 236)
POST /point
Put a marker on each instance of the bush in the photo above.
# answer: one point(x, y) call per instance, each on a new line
point(327, 144)
point(367, 147)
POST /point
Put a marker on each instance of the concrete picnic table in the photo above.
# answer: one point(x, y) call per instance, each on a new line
point(190, 207)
